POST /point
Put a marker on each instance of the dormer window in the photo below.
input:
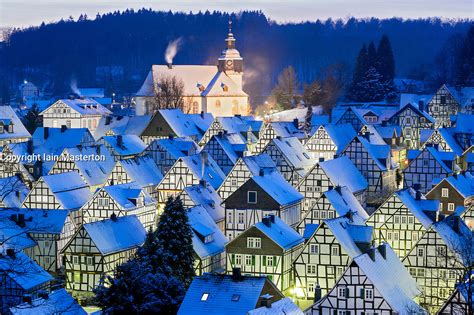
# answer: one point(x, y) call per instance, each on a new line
point(204, 296)
point(224, 87)
point(10, 128)
point(201, 87)
point(209, 238)
point(1, 129)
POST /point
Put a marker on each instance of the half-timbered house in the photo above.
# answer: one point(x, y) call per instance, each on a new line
point(436, 261)
point(11, 128)
point(353, 117)
point(444, 140)
point(165, 152)
point(21, 278)
point(328, 249)
point(374, 161)
point(265, 194)
point(337, 201)
point(204, 195)
point(290, 157)
point(121, 200)
point(244, 169)
point(328, 141)
point(96, 249)
point(457, 303)
point(208, 242)
point(376, 282)
point(336, 172)
point(283, 129)
point(247, 126)
point(14, 191)
point(189, 170)
point(453, 191)
point(428, 168)
point(122, 125)
point(402, 219)
point(226, 148)
point(123, 147)
point(443, 105)
point(269, 248)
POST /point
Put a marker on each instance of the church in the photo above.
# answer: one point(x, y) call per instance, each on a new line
point(207, 88)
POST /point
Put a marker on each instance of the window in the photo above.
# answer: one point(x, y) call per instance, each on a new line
point(248, 260)
point(89, 261)
point(389, 236)
point(75, 260)
point(452, 274)
point(411, 220)
point(235, 297)
point(339, 271)
point(443, 293)
point(414, 236)
point(413, 272)
point(229, 217)
point(103, 202)
point(240, 218)
point(251, 197)
point(397, 219)
point(445, 192)
point(442, 99)
point(343, 292)
point(335, 250)
point(395, 236)
point(233, 182)
point(450, 206)
point(420, 272)
point(238, 260)
point(204, 296)
point(270, 261)
point(311, 269)
point(77, 277)
point(421, 252)
point(369, 294)
point(254, 242)
point(314, 249)
point(404, 220)
point(310, 287)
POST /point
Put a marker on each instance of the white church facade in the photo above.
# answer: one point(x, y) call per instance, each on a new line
point(207, 88)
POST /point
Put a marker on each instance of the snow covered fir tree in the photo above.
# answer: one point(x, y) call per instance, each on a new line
point(249, 172)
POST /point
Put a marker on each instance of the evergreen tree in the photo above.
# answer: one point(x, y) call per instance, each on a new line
point(371, 55)
point(371, 88)
point(308, 118)
point(174, 237)
point(385, 63)
point(32, 119)
point(465, 61)
point(361, 67)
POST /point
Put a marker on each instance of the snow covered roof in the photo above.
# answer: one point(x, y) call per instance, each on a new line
point(414, 99)
point(274, 184)
point(309, 230)
point(297, 113)
point(240, 124)
point(203, 225)
point(449, 137)
point(207, 197)
point(24, 271)
point(344, 201)
point(380, 153)
point(416, 110)
point(457, 236)
point(349, 235)
point(383, 271)
point(19, 131)
point(282, 307)
point(342, 172)
point(295, 153)
point(94, 172)
point(464, 123)
point(287, 129)
point(122, 125)
point(69, 189)
point(125, 145)
point(187, 125)
point(212, 294)
point(445, 159)
point(177, 147)
point(421, 208)
point(126, 195)
point(386, 132)
point(14, 236)
point(257, 162)
point(116, 235)
point(58, 302)
point(464, 95)
point(463, 183)
point(211, 172)
point(341, 135)
point(232, 143)
point(383, 113)
point(279, 232)
point(143, 170)
point(222, 85)
point(15, 194)
point(38, 220)
point(84, 106)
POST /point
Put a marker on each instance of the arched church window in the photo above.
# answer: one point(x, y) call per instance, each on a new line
point(218, 104)
point(195, 107)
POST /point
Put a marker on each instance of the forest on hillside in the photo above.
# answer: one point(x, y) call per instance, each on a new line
point(116, 50)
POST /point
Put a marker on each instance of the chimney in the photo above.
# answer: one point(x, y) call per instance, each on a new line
point(113, 217)
point(372, 253)
point(97, 149)
point(317, 293)
point(261, 172)
point(119, 140)
point(416, 186)
point(266, 300)
point(382, 250)
point(321, 159)
point(18, 195)
point(29, 147)
point(272, 218)
point(108, 120)
point(21, 219)
point(278, 137)
point(384, 123)
point(202, 114)
point(236, 274)
point(457, 224)
point(338, 189)
point(11, 252)
point(421, 105)
point(418, 195)
point(202, 182)
point(43, 294)
point(170, 65)
point(45, 132)
point(349, 215)
point(436, 146)
point(170, 136)
point(330, 187)
point(63, 128)
point(14, 217)
point(266, 221)
point(296, 123)
point(27, 298)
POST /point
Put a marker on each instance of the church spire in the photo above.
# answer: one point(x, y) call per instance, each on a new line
point(230, 37)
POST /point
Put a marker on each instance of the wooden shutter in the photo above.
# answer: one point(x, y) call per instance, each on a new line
point(362, 293)
point(232, 259)
point(264, 260)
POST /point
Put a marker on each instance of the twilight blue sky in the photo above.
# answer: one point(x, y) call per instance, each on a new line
point(33, 12)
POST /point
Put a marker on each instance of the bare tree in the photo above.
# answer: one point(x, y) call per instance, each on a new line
point(285, 92)
point(9, 186)
point(168, 94)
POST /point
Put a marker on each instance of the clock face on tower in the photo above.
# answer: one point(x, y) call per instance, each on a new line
point(229, 64)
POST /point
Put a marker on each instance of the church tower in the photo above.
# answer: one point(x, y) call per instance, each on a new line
point(230, 60)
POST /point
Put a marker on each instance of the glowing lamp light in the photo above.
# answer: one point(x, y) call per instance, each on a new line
point(24, 81)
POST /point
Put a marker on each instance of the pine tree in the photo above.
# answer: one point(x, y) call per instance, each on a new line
point(361, 67)
point(371, 55)
point(385, 63)
point(174, 236)
point(371, 88)
point(308, 118)
point(32, 119)
point(465, 61)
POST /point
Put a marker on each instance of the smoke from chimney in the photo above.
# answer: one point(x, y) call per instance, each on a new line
point(205, 159)
point(172, 50)
point(73, 86)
